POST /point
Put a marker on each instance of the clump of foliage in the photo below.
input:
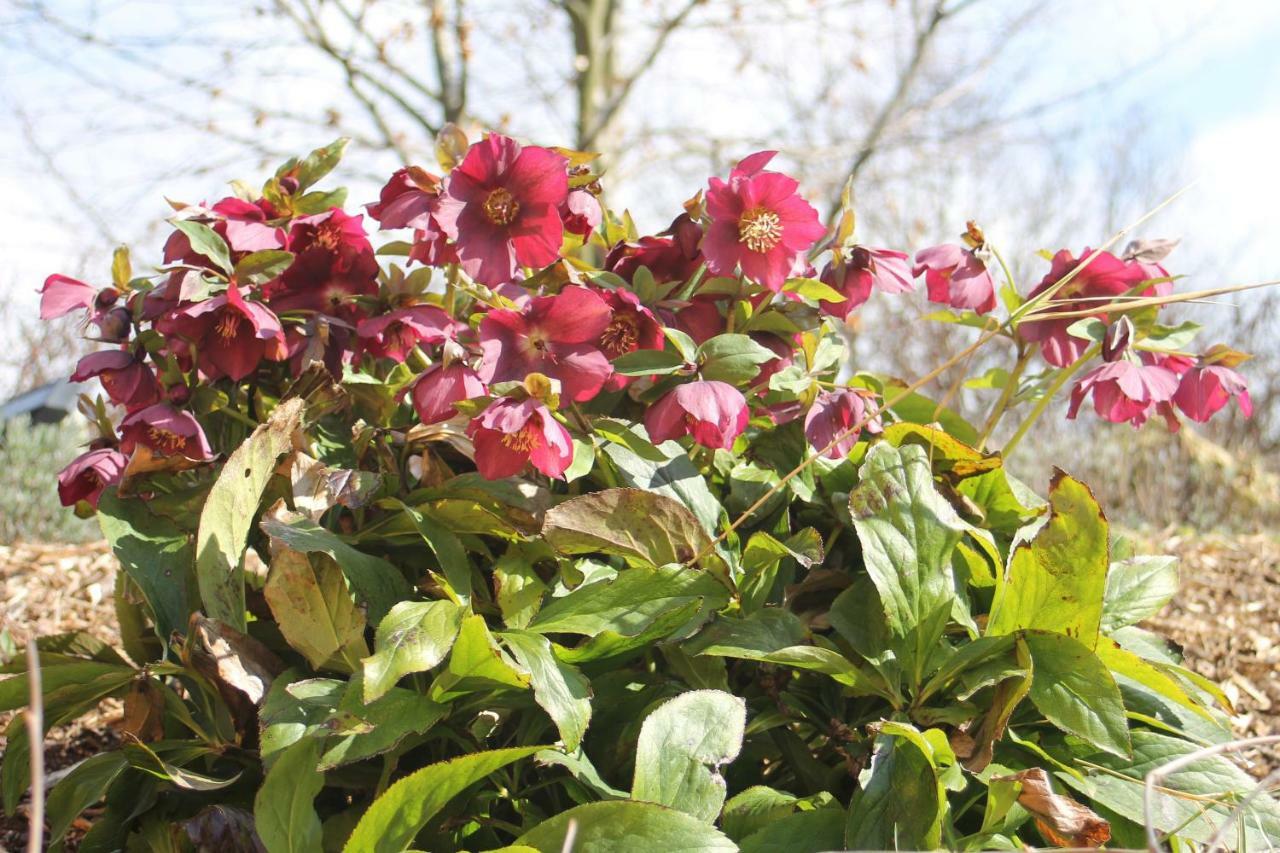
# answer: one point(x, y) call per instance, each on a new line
point(530, 532)
point(29, 507)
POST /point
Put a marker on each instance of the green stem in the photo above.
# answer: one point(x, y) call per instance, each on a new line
point(1002, 404)
point(1061, 379)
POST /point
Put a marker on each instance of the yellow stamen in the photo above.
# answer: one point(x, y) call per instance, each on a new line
point(501, 207)
point(759, 229)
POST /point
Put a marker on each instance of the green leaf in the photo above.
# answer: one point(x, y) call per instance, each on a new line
point(83, 786)
point(629, 603)
point(732, 358)
point(1152, 676)
point(1075, 692)
point(319, 163)
point(448, 550)
point(229, 511)
point(476, 663)
point(149, 760)
point(121, 267)
point(644, 362)
point(812, 288)
point(378, 583)
point(360, 731)
point(397, 816)
point(309, 204)
point(625, 827)
point(314, 611)
point(810, 831)
point(901, 805)
point(206, 242)
point(1169, 338)
point(908, 531)
point(283, 810)
point(1057, 581)
point(156, 555)
point(260, 267)
point(413, 637)
point(1137, 589)
point(675, 476)
point(683, 744)
point(761, 633)
point(749, 811)
point(684, 344)
point(560, 689)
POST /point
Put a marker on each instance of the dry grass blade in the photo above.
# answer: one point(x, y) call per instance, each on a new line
point(1135, 304)
point(35, 734)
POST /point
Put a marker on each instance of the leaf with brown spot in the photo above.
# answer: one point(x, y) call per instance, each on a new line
point(1060, 819)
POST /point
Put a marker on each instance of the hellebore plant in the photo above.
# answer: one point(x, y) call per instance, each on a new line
point(529, 531)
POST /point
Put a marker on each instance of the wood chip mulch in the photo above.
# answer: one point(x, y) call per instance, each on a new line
point(1226, 617)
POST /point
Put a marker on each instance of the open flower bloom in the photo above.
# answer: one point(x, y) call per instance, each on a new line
point(854, 271)
point(165, 431)
point(758, 222)
point(1206, 388)
point(1105, 276)
point(436, 392)
point(128, 381)
point(333, 264)
point(581, 212)
point(714, 413)
point(501, 206)
point(632, 326)
point(955, 276)
point(395, 334)
point(509, 434)
point(834, 415)
point(410, 200)
point(1124, 390)
point(553, 335)
point(61, 295)
point(90, 473)
point(231, 335)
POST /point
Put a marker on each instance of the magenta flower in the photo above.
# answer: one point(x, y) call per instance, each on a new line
point(436, 392)
point(632, 326)
point(501, 206)
point(245, 227)
point(1124, 390)
point(671, 256)
point(231, 335)
point(835, 414)
point(551, 335)
point(714, 413)
point(701, 318)
point(410, 199)
point(581, 213)
point(165, 431)
point(62, 295)
point(955, 276)
point(90, 473)
point(509, 434)
point(1206, 388)
point(128, 381)
point(395, 334)
point(333, 265)
point(1106, 276)
point(856, 270)
point(758, 222)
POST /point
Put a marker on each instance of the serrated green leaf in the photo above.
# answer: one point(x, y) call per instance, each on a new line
point(314, 609)
point(732, 358)
point(1075, 692)
point(559, 688)
point(413, 637)
point(84, 785)
point(625, 827)
point(683, 744)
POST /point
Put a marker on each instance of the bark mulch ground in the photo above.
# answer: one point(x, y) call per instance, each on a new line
point(1226, 617)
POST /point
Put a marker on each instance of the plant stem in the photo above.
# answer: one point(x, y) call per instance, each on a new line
point(1010, 389)
point(1061, 379)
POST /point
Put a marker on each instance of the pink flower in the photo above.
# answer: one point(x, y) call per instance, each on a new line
point(165, 431)
point(437, 391)
point(395, 334)
point(632, 326)
point(836, 413)
point(714, 413)
point(1206, 388)
point(855, 271)
point(501, 207)
point(90, 473)
point(672, 256)
point(410, 199)
point(957, 277)
point(231, 335)
point(62, 295)
point(1106, 276)
point(245, 227)
point(552, 335)
point(128, 381)
point(581, 213)
point(758, 222)
point(509, 434)
point(1124, 390)
point(701, 318)
point(333, 264)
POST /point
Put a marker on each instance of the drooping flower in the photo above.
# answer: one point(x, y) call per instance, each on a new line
point(632, 326)
point(394, 334)
point(702, 317)
point(553, 335)
point(1205, 388)
point(1104, 277)
point(410, 199)
point(713, 412)
point(437, 392)
point(581, 212)
point(673, 255)
point(501, 206)
point(333, 264)
point(834, 415)
point(61, 295)
point(165, 431)
point(956, 276)
point(1124, 390)
point(90, 473)
point(758, 222)
point(128, 381)
point(509, 434)
point(231, 334)
point(855, 270)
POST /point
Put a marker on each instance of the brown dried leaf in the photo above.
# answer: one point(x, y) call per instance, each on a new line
point(1061, 820)
point(317, 487)
point(234, 659)
point(144, 711)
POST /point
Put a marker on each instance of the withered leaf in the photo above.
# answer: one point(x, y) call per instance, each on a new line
point(1061, 819)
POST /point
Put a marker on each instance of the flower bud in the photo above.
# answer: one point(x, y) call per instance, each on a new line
point(113, 326)
point(1117, 339)
point(106, 298)
point(179, 395)
point(289, 185)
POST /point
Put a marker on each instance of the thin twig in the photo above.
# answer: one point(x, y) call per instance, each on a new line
point(35, 735)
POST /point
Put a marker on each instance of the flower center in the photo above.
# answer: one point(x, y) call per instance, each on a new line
point(329, 235)
point(620, 336)
point(501, 207)
point(166, 440)
point(759, 229)
point(400, 337)
point(227, 326)
point(523, 441)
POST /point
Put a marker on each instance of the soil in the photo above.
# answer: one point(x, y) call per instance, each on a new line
point(1226, 617)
